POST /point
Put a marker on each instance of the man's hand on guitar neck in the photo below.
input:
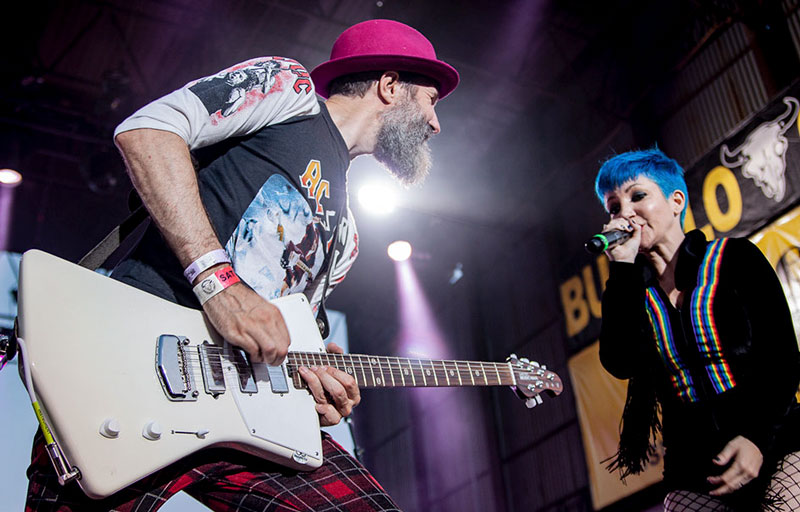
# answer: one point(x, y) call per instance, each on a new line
point(248, 321)
point(335, 392)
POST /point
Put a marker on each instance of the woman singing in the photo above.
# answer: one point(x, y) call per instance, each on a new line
point(704, 334)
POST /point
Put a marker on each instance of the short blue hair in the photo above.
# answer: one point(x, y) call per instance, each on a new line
point(651, 163)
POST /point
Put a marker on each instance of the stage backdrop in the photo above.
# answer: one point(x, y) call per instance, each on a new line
point(746, 186)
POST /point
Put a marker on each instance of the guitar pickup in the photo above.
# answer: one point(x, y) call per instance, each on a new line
point(211, 364)
point(247, 381)
point(277, 379)
point(173, 368)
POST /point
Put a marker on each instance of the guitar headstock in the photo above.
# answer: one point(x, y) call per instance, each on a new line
point(533, 379)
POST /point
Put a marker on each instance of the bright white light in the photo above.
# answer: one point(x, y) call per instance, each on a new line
point(10, 177)
point(377, 199)
point(399, 250)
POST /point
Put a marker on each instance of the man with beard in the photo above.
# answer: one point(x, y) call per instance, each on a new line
point(227, 194)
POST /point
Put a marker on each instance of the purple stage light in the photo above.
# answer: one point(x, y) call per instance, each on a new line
point(420, 335)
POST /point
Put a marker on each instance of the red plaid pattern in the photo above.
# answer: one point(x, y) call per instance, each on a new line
point(225, 481)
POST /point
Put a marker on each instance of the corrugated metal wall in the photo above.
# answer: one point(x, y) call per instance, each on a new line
point(790, 7)
point(717, 90)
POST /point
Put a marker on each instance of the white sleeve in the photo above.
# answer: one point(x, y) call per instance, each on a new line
point(235, 102)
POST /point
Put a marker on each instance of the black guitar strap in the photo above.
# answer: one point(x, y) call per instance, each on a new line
point(322, 316)
point(102, 251)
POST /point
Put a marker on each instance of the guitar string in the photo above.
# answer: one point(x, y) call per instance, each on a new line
point(441, 382)
point(440, 373)
point(398, 374)
point(396, 369)
point(498, 373)
point(198, 374)
point(432, 363)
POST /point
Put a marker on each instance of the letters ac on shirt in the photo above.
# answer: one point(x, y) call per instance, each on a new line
point(317, 189)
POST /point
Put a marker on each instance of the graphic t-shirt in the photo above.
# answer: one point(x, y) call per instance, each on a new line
point(272, 173)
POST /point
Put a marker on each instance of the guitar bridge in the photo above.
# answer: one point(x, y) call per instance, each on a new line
point(173, 368)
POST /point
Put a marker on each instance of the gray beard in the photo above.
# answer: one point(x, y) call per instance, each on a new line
point(402, 143)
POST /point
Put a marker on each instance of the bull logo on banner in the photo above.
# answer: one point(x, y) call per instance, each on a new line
point(762, 156)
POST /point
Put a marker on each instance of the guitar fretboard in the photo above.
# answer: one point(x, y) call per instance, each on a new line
point(388, 372)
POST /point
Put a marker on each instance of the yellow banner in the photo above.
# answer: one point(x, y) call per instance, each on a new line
point(600, 399)
point(780, 243)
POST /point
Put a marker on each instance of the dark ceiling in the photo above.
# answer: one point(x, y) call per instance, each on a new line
point(545, 87)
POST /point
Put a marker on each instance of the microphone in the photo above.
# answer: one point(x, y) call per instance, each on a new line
point(601, 242)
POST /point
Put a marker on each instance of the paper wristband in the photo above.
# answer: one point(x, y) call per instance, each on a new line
point(205, 262)
point(215, 283)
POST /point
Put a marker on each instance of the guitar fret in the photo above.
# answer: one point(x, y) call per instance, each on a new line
point(372, 373)
point(497, 370)
point(483, 369)
point(296, 379)
point(354, 370)
point(411, 371)
point(458, 371)
point(422, 372)
point(470, 373)
point(400, 367)
point(382, 380)
point(433, 370)
point(513, 376)
point(444, 367)
point(363, 372)
point(391, 372)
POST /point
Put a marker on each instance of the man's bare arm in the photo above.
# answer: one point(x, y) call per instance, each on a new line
point(161, 170)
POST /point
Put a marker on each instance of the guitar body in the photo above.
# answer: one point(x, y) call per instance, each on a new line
point(93, 346)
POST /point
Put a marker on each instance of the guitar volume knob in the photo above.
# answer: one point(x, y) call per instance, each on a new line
point(152, 431)
point(110, 428)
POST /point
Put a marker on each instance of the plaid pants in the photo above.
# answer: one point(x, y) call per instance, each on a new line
point(224, 480)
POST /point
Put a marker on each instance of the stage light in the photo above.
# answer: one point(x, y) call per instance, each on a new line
point(10, 178)
point(458, 273)
point(377, 199)
point(399, 250)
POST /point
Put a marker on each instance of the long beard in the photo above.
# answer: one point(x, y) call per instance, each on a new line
point(402, 143)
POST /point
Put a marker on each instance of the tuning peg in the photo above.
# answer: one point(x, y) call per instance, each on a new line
point(524, 360)
point(533, 402)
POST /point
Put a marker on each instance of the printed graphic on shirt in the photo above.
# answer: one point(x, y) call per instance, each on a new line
point(317, 189)
point(244, 84)
point(277, 247)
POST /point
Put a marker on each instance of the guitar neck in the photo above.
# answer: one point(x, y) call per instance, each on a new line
point(391, 372)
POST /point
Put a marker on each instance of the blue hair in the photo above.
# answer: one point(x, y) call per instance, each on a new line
point(651, 163)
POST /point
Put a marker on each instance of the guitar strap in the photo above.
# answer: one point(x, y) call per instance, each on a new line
point(322, 316)
point(102, 251)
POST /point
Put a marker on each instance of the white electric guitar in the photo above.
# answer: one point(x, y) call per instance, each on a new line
point(128, 383)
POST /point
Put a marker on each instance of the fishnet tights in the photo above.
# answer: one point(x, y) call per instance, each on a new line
point(785, 482)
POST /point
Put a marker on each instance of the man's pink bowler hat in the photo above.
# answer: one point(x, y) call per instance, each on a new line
point(383, 45)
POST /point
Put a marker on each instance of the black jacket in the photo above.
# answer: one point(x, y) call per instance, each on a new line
point(757, 338)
